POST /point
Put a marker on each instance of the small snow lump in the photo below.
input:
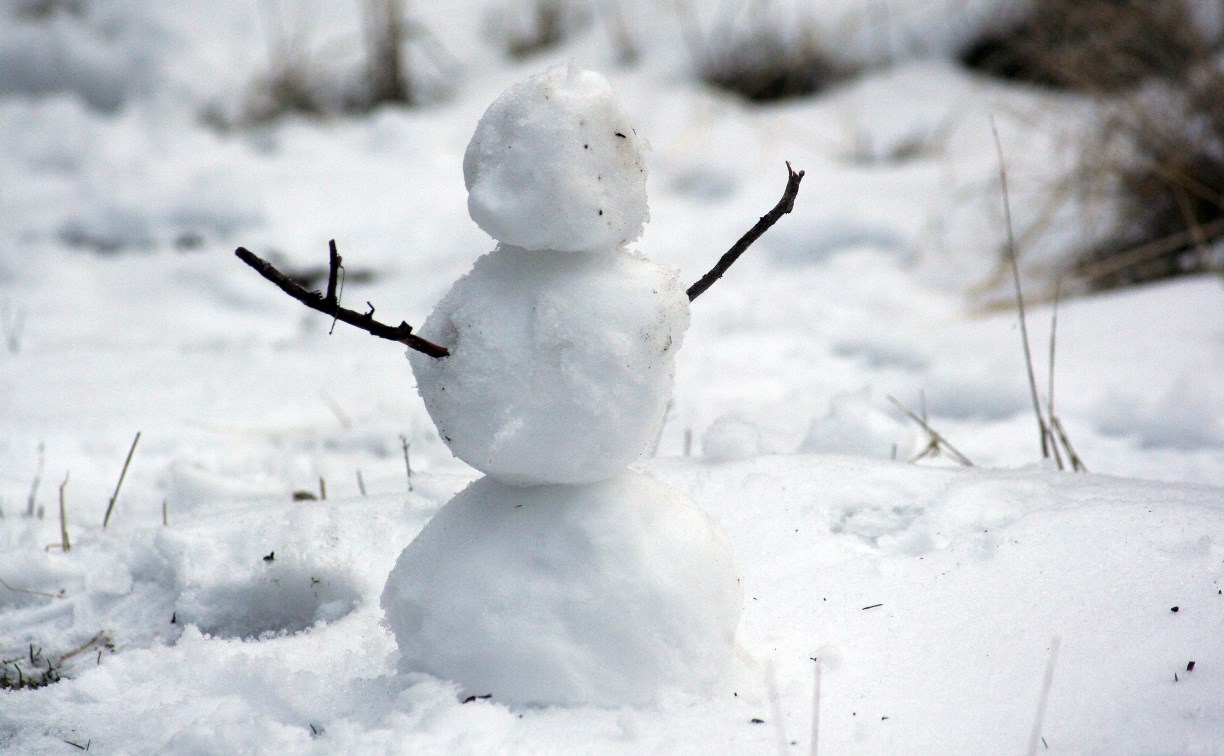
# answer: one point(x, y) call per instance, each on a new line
point(554, 164)
point(608, 594)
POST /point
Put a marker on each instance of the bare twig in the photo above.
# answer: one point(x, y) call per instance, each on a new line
point(407, 464)
point(165, 513)
point(1050, 376)
point(1046, 683)
point(784, 206)
point(65, 544)
point(38, 471)
point(936, 439)
point(1053, 336)
point(1077, 464)
point(14, 589)
point(100, 639)
point(1015, 266)
point(360, 482)
point(110, 507)
point(329, 305)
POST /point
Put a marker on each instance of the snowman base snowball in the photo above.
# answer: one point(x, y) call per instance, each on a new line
point(608, 593)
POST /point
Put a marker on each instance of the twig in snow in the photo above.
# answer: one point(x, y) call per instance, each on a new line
point(784, 206)
point(15, 589)
point(407, 463)
point(322, 489)
point(1043, 428)
point(110, 507)
point(1057, 433)
point(165, 513)
point(360, 482)
point(1050, 375)
point(64, 542)
point(936, 440)
point(100, 639)
point(330, 305)
point(1046, 683)
point(38, 471)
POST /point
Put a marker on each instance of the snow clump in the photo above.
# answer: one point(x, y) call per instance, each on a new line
point(729, 439)
point(606, 594)
point(560, 367)
point(554, 164)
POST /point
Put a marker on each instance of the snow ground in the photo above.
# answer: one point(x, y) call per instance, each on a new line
point(126, 311)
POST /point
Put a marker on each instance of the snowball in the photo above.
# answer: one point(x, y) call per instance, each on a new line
point(608, 593)
point(856, 425)
point(560, 367)
point(554, 164)
point(730, 438)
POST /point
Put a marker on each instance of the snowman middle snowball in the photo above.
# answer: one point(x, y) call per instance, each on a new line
point(561, 341)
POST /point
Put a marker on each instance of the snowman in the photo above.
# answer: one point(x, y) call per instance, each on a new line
point(561, 577)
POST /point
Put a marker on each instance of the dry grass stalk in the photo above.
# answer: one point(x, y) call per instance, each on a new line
point(65, 544)
point(1169, 186)
point(110, 507)
point(1046, 423)
point(935, 441)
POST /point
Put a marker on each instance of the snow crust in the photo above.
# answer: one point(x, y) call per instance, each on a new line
point(609, 593)
point(554, 164)
point(560, 368)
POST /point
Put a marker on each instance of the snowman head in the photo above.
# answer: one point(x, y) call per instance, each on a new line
point(555, 165)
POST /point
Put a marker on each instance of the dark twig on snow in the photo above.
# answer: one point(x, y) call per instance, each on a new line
point(330, 305)
point(784, 206)
point(110, 507)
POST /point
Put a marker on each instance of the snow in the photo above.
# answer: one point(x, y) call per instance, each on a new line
point(730, 438)
point(555, 165)
point(610, 593)
point(874, 287)
point(561, 368)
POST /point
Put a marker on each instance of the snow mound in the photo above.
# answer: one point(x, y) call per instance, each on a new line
point(608, 594)
point(554, 164)
point(560, 367)
point(856, 424)
point(730, 438)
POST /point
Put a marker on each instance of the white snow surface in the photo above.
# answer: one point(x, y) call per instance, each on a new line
point(931, 595)
point(610, 593)
point(561, 368)
point(554, 164)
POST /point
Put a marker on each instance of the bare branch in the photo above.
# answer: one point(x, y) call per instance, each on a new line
point(784, 206)
point(329, 305)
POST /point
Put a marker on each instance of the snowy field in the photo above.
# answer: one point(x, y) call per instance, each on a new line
point(889, 606)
